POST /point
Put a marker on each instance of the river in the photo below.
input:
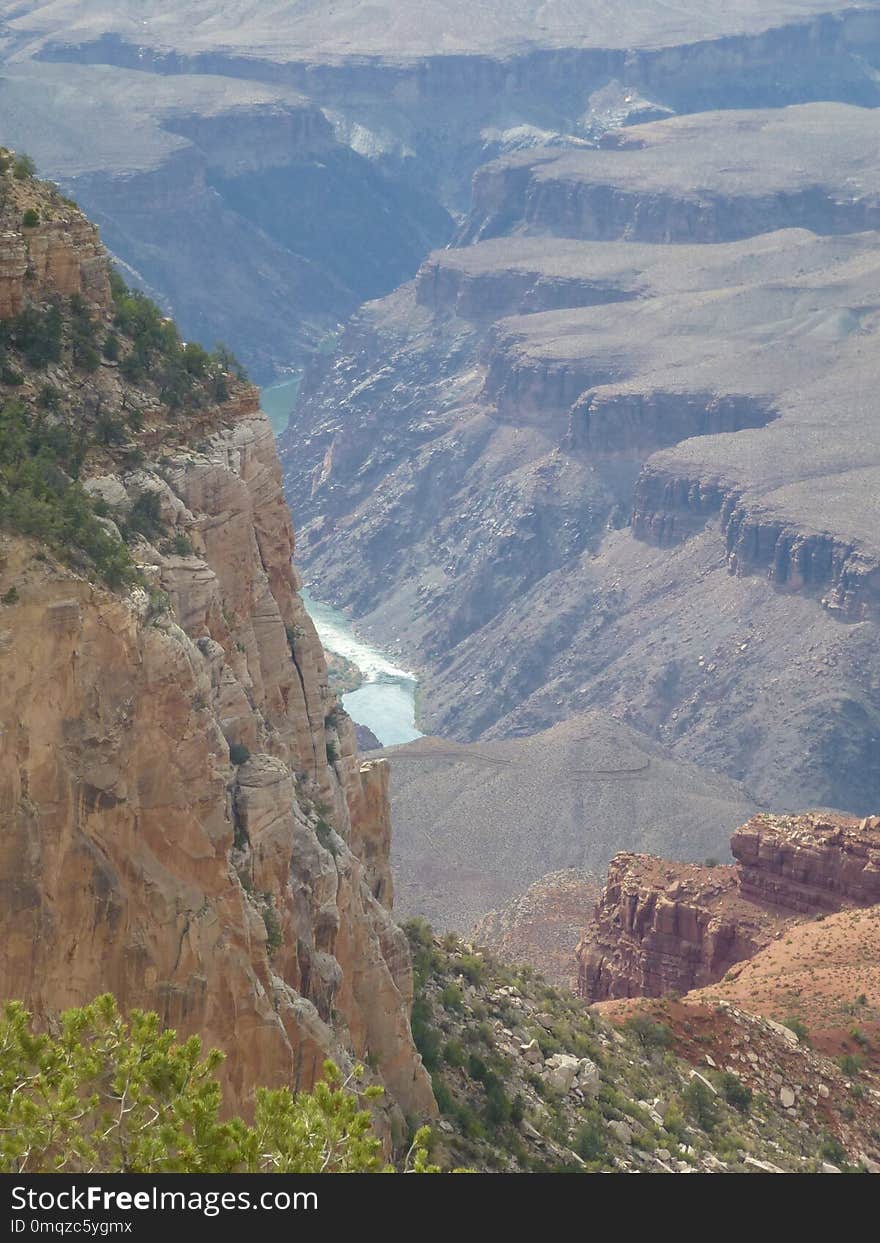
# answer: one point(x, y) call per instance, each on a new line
point(386, 700)
point(385, 703)
point(278, 401)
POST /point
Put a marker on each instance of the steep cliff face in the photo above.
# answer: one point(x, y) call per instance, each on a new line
point(185, 817)
point(51, 258)
point(683, 180)
point(809, 864)
point(661, 927)
point(666, 928)
point(841, 574)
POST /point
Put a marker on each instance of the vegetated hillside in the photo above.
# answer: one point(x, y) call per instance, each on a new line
point(186, 820)
point(253, 131)
point(527, 1078)
point(476, 825)
point(632, 476)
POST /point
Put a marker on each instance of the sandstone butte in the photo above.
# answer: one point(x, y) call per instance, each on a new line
point(800, 883)
point(135, 856)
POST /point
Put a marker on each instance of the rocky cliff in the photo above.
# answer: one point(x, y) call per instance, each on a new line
point(186, 821)
point(661, 927)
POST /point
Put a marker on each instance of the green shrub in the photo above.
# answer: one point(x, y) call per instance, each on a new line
point(831, 1149)
point(59, 1106)
point(31, 218)
point(471, 967)
point(499, 1107)
point(39, 495)
point(10, 596)
point(673, 1121)
point(442, 1095)
point(699, 1103)
point(145, 517)
point(274, 937)
point(324, 834)
point(35, 333)
point(454, 1053)
point(110, 349)
point(239, 754)
point(186, 374)
point(735, 1092)
point(799, 1027)
point(590, 1141)
point(851, 1063)
point(650, 1033)
point(23, 168)
point(425, 1035)
point(451, 997)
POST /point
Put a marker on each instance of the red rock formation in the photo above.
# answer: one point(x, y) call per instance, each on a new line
point(661, 927)
point(809, 864)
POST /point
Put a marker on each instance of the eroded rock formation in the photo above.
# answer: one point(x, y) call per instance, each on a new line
point(663, 927)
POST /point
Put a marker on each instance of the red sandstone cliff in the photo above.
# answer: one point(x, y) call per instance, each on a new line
point(247, 902)
point(666, 927)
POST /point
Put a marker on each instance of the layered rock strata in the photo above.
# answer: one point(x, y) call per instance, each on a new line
point(661, 928)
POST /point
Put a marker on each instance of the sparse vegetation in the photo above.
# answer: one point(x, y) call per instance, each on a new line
point(274, 935)
point(650, 1033)
point(799, 1027)
point(736, 1093)
point(644, 1109)
point(23, 167)
point(185, 373)
point(40, 495)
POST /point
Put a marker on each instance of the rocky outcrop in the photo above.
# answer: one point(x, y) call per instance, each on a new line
point(809, 864)
point(669, 508)
point(59, 255)
point(666, 928)
point(186, 821)
point(680, 181)
point(661, 928)
point(445, 285)
point(634, 425)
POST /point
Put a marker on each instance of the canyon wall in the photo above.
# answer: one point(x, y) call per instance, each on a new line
point(350, 110)
point(185, 818)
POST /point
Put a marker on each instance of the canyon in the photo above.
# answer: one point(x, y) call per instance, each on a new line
point(325, 152)
point(575, 311)
point(593, 431)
